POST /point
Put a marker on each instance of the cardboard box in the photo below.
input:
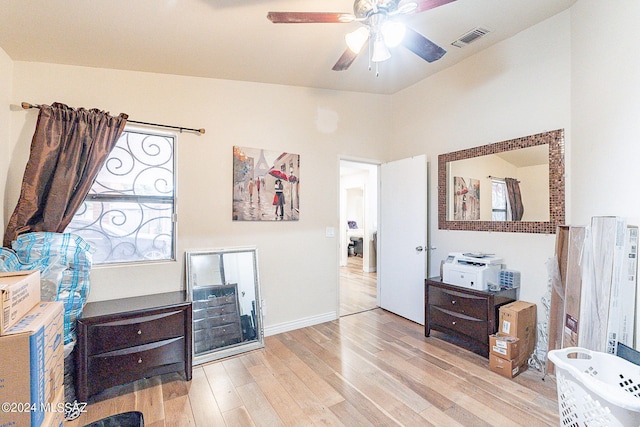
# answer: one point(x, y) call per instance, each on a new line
point(572, 285)
point(615, 289)
point(54, 417)
point(504, 367)
point(518, 319)
point(19, 293)
point(32, 371)
point(602, 265)
point(504, 346)
point(558, 275)
point(626, 292)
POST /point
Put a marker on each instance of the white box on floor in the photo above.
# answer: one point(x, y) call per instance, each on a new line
point(19, 293)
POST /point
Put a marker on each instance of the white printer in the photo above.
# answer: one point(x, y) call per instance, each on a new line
point(471, 270)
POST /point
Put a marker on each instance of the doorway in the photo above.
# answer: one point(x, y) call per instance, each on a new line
point(358, 237)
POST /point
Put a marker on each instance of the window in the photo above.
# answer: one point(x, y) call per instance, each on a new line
point(129, 213)
point(498, 200)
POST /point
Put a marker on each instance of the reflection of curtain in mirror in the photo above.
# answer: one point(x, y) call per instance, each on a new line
point(515, 198)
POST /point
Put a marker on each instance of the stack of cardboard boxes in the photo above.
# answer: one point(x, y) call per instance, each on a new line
point(31, 354)
point(510, 348)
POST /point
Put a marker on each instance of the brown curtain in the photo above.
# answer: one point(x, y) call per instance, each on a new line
point(68, 149)
point(515, 198)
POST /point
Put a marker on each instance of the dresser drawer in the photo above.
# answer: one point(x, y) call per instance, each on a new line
point(134, 331)
point(224, 300)
point(218, 333)
point(210, 322)
point(460, 323)
point(215, 311)
point(129, 364)
point(211, 338)
point(470, 305)
point(214, 301)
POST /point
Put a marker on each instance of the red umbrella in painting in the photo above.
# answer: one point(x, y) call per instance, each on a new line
point(279, 174)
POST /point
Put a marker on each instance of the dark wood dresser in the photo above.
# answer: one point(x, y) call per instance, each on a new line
point(216, 318)
point(123, 340)
point(466, 314)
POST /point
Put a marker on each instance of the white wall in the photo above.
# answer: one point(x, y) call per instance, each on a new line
point(578, 71)
point(298, 264)
point(605, 102)
point(534, 188)
point(6, 144)
point(516, 88)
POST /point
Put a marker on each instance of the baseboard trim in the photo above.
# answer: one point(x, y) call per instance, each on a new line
point(300, 323)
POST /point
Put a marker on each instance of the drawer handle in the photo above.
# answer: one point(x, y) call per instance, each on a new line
point(140, 360)
point(139, 332)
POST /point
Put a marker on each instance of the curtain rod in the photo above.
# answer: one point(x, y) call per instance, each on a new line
point(499, 179)
point(26, 106)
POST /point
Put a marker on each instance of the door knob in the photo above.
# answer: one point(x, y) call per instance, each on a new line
point(419, 248)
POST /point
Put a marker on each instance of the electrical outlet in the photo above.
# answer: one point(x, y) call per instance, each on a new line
point(263, 307)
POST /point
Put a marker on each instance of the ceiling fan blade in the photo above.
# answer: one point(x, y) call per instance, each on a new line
point(430, 4)
point(345, 60)
point(421, 46)
point(309, 17)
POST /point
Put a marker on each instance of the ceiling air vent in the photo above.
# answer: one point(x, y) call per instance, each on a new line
point(470, 36)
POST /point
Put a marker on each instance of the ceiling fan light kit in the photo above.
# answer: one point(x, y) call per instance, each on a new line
point(380, 51)
point(356, 39)
point(379, 27)
point(393, 33)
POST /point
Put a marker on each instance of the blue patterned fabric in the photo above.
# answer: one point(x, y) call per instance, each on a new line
point(64, 261)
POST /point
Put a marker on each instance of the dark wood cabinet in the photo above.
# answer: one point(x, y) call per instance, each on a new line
point(123, 340)
point(466, 314)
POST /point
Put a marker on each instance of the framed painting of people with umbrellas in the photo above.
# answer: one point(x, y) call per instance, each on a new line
point(466, 201)
point(266, 185)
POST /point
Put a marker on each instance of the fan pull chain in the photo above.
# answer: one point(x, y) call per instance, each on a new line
point(369, 52)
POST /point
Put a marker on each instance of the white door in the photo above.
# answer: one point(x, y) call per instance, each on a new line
point(402, 246)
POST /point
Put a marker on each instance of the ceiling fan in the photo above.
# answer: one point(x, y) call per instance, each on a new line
point(379, 27)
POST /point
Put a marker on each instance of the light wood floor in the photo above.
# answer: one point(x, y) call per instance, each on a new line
point(372, 368)
point(357, 288)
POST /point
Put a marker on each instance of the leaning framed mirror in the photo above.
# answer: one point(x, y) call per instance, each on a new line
point(224, 288)
point(476, 186)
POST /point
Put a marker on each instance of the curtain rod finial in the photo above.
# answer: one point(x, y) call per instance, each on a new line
point(26, 105)
point(201, 131)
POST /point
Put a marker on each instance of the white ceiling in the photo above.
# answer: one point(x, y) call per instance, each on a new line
point(232, 39)
point(524, 157)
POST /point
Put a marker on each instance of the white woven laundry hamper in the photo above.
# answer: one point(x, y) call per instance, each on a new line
point(596, 389)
